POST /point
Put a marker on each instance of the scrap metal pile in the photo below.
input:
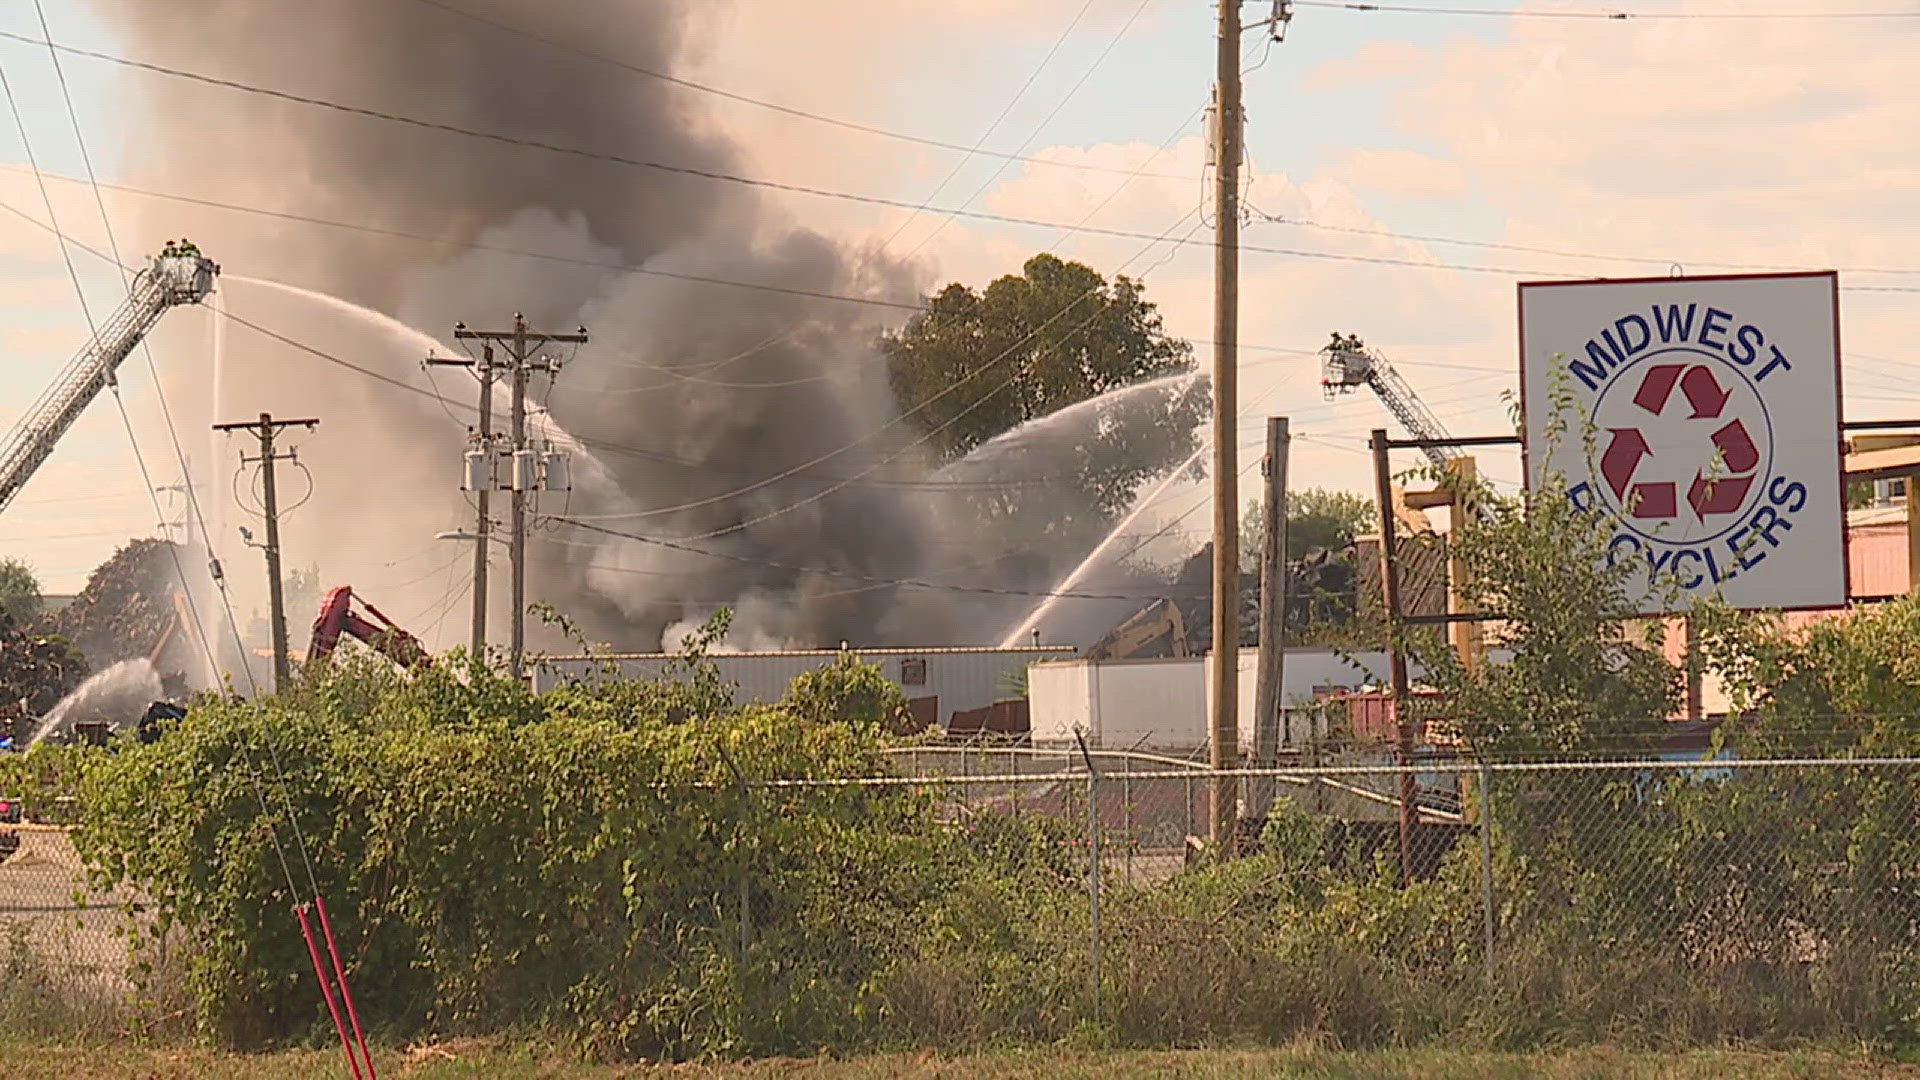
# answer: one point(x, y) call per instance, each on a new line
point(132, 607)
point(37, 669)
point(1321, 590)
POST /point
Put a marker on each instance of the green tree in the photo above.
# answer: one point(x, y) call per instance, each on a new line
point(1584, 675)
point(19, 590)
point(1316, 518)
point(977, 364)
point(847, 691)
point(1028, 345)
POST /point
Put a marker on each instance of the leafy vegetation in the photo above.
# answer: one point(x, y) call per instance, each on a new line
point(1317, 520)
point(19, 591)
point(652, 870)
point(1054, 334)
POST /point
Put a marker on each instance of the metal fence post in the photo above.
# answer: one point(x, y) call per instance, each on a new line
point(1013, 769)
point(1093, 863)
point(1126, 810)
point(1188, 782)
point(1486, 858)
point(745, 796)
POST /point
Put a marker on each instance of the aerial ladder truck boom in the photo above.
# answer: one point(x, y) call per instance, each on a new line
point(1349, 364)
point(179, 275)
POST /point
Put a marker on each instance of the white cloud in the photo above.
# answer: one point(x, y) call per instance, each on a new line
point(1395, 171)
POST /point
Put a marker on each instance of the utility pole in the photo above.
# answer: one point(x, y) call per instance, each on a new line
point(524, 470)
point(184, 523)
point(1224, 790)
point(482, 486)
point(265, 429)
point(1396, 656)
point(1273, 617)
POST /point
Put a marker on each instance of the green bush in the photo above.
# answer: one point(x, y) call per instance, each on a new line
point(500, 859)
point(660, 873)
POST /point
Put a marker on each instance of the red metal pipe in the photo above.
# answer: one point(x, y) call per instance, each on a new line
point(326, 989)
point(339, 973)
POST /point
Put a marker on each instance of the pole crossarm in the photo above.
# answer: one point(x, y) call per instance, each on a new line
point(266, 429)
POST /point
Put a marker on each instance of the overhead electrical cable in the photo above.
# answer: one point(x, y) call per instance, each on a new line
point(1072, 92)
point(777, 185)
point(153, 369)
point(850, 125)
point(1069, 230)
point(146, 478)
point(1607, 15)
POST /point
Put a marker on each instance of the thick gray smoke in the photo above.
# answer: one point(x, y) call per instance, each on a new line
point(707, 409)
point(688, 391)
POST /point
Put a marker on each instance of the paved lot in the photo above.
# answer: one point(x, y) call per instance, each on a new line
point(49, 919)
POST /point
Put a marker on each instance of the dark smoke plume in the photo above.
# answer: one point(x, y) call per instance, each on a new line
point(688, 390)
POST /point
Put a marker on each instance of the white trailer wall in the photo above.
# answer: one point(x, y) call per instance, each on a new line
point(1167, 702)
point(961, 678)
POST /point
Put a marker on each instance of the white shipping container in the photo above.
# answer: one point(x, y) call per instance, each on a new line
point(1165, 704)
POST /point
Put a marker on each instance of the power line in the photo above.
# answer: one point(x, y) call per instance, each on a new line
point(1068, 231)
point(153, 369)
point(1646, 260)
point(1071, 93)
point(836, 482)
point(791, 188)
point(742, 525)
point(399, 384)
point(139, 458)
point(788, 110)
point(915, 583)
point(536, 144)
point(471, 245)
point(1607, 15)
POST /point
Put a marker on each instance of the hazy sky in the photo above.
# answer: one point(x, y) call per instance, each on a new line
point(1600, 147)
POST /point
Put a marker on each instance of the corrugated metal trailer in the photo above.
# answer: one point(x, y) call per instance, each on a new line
point(943, 680)
point(1163, 704)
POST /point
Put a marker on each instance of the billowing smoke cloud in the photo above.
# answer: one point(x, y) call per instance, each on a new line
point(688, 392)
point(736, 420)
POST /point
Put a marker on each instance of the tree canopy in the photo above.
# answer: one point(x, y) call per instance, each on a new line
point(1317, 519)
point(976, 364)
point(19, 590)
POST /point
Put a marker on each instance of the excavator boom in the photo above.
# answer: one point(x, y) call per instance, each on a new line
point(378, 632)
point(178, 276)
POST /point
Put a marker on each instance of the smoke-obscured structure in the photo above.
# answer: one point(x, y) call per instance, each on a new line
point(753, 425)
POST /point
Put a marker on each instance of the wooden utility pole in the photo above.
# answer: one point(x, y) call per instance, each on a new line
point(522, 482)
point(1396, 655)
point(523, 469)
point(1225, 740)
point(265, 429)
point(1464, 475)
point(1690, 644)
point(483, 492)
point(1268, 698)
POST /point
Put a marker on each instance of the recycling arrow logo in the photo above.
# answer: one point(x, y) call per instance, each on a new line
point(1678, 449)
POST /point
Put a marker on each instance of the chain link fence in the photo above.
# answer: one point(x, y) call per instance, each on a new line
point(1729, 897)
point(61, 940)
point(1748, 891)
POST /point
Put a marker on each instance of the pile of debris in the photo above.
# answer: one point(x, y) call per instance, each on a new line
point(133, 608)
point(1321, 589)
point(36, 671)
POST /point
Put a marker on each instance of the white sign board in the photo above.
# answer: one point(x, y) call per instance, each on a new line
point(1701, 415)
